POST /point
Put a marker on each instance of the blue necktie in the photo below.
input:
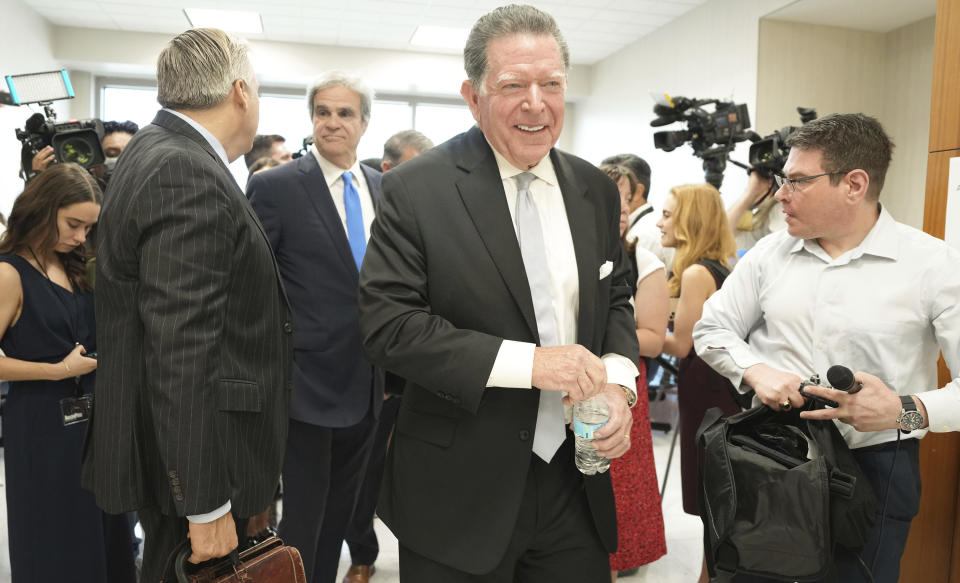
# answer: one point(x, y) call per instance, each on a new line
point(355, 232)
point(550, 432)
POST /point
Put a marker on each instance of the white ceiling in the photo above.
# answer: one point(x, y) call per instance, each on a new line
point(594, 29)
point(871, 15)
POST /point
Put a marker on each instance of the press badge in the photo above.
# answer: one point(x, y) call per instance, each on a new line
point(76, 409)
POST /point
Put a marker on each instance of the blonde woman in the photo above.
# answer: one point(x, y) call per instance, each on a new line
point(694, 223)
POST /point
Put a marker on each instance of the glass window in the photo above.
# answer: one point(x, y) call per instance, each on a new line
point(386, 119)
point(441, 122)
point(287, 116)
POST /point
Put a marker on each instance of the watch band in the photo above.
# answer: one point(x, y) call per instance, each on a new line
point(910, 418)
point(631, 395)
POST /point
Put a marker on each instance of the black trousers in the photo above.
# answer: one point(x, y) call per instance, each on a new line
point(322, 472)
point(882, 552)
point(554, 541)
point(162, 538)
point(361, 537)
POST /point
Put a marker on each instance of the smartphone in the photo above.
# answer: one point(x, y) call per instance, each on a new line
point(92, 355)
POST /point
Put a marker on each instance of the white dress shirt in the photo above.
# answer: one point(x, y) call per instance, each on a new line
point(513, 367)
point(883, 307)
point(333, 174)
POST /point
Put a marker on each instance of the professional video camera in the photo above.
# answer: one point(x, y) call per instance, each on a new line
point(711, 134)
point(73, 141)
point(768, 155)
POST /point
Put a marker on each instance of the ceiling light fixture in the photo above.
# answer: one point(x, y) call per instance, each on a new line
point(229, 20)
point(442, 37)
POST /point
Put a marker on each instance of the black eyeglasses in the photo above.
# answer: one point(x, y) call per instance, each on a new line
point(780, 179)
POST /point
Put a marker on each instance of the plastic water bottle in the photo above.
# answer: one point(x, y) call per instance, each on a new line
point(588, 416)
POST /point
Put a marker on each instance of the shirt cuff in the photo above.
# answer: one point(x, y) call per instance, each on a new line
point(621, 370)
point(940, 405)
point(209, 516)
point(513, 368)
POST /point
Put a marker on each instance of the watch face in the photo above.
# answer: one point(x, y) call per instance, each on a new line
point(912, 420)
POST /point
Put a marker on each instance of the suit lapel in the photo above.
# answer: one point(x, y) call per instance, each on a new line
point(581, 214)
point(483, 196)
point(314, 186)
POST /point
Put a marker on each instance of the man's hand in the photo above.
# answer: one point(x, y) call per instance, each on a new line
point(613, 439)
point(571, 368)
point(42, 159)
point(757, 187)
point(212, 540)
point(776, 389)
point(873, 408)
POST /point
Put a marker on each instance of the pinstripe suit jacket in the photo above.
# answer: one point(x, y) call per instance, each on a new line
point(194, 336)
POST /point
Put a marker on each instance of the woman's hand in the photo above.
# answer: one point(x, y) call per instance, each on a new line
point(76, 364)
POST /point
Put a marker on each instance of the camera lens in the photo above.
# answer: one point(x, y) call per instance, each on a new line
point(77, 150)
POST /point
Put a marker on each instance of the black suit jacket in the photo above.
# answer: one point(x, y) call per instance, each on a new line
point(443, 283)
point(334, 385)
point(194, 336)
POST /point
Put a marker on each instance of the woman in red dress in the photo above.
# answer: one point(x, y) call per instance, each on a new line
point(634, 476)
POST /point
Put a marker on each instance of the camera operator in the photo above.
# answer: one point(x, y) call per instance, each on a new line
point(116, 135)
point(757, 213)
point(847, 284)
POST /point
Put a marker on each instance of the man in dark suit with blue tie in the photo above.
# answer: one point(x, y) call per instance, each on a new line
point(495, 281)
point(317, 212)
point(194, 329)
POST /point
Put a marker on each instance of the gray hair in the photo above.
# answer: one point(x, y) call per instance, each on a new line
point(506, 21)
point(400, 141)
point(341, 79)
point(197, 69)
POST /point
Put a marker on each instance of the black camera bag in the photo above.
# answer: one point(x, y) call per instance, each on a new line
point(769, 511)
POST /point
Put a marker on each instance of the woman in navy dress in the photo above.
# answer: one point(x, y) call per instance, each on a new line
point(47, 334)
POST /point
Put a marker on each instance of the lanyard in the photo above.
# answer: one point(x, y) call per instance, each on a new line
point(73, 316)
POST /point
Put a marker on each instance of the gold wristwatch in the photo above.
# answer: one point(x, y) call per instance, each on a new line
point(631, 396)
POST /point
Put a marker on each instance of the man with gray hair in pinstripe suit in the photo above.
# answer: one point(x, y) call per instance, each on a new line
point(195, 329)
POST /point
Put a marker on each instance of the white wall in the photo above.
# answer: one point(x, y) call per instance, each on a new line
point(886, 75)
point(709, 52)
point(27, 48)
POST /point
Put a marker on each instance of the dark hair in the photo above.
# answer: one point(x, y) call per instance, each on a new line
point(33, 221)
point(848, 141)
point(400, 141)
point(637, 165)
point(616, 172)
point(262, 163)
point(261, 148)
point(112, 127)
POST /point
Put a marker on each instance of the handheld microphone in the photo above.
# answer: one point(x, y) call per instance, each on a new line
point(841, 378)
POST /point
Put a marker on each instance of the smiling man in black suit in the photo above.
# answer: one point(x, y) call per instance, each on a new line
point(494, 282)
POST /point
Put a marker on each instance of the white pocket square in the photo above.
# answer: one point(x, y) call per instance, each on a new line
point(606, 269)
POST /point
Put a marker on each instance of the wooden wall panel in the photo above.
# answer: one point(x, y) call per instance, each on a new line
point(945, 103)
point(931, 554)
point(933, 549)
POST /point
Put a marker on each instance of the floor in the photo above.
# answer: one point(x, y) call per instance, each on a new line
point(681, 564)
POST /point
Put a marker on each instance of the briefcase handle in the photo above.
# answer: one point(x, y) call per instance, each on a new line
point(180, 564)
